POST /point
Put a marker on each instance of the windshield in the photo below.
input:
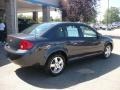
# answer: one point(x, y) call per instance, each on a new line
point(38, 29)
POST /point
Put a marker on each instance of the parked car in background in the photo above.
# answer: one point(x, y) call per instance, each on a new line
point(110, 27)
point(103, 26)
point(96, 26)
point(116, 25)
point(52, 45)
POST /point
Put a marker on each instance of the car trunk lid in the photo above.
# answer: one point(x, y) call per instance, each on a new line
point(13, 41)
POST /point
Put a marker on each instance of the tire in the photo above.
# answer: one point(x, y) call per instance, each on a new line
point(55, 65)
point(107, 51)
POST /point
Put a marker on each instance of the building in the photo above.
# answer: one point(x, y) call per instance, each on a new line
point(10, 8)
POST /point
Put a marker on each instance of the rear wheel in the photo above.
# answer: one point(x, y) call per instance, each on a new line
point(107, 51)
point(55, 65)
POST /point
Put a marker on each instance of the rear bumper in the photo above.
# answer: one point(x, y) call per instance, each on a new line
point(24, 61)
point(23, 58)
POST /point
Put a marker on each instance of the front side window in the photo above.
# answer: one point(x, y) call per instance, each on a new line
point(72, 31)
point(88, 32)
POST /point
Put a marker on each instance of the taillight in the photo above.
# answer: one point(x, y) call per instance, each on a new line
point(25, 45)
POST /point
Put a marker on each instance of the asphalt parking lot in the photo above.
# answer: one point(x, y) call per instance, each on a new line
point(88, 74)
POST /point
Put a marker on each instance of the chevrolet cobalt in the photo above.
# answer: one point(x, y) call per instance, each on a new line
point(52, 45)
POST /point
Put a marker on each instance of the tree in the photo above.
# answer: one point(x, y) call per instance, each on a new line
point(112, 15)
point(78, 10)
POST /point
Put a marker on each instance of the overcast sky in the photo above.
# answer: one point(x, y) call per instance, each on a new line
point(104, 6)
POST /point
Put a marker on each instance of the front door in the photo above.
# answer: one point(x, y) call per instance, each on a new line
point(92, 43)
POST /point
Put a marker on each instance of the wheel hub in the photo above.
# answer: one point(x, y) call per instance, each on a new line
point(57, 65)
point(108, 51)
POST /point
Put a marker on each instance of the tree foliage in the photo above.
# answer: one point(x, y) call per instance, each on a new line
point(112, 15)
point(78, 10)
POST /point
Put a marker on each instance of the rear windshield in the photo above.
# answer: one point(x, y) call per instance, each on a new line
point(38, 29)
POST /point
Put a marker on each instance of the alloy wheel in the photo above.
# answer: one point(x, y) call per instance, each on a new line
point(107, 51)
point(56, 65)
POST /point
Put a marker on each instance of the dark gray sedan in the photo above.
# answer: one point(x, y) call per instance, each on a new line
point(52, 45)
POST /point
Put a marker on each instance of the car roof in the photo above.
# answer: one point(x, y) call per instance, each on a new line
point(57, 23)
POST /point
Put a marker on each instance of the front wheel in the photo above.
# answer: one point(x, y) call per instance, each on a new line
point(55, 65)
point(107, 51)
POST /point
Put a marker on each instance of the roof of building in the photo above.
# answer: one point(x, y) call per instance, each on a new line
point(34, 5)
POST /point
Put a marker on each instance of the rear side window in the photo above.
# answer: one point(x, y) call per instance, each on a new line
point(72, 31)
point(60, 33)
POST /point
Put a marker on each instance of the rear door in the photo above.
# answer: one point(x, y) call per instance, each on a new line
point(74, 40)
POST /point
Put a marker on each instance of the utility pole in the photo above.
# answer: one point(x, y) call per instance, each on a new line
point(108, 15)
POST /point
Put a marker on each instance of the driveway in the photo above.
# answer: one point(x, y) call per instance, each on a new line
point(87, 74)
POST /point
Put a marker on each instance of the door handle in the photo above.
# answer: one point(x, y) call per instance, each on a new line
point(81, 41)
point(75, 43)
